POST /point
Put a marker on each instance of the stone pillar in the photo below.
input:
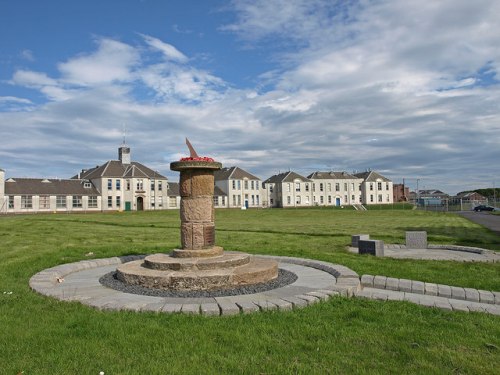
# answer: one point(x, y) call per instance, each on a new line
point(196, 187)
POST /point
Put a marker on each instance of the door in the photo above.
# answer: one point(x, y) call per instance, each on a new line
point(128, 206)
point(337, 201)
point(140, 204)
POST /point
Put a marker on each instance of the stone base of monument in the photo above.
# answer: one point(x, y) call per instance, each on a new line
point(168, 271)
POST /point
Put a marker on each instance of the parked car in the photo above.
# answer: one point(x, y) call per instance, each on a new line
point(484, 208)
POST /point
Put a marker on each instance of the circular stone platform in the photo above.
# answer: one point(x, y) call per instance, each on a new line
point(79, 281)
point(439, 252)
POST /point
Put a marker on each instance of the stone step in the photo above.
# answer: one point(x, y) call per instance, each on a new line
point(167, 262)
point(255, 271)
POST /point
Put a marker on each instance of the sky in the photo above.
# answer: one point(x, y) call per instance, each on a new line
point(410, 89)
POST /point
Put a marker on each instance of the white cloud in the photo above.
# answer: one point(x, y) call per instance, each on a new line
point(169, 52)
point(32, 79)
point(13, 99)
point(113, 61)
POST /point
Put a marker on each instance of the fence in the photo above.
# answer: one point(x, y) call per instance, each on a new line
point(454, 204)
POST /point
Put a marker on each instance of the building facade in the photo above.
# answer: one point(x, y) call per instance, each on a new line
point(288, 189)
point(375, 188)
point(241, 188)
point(335, 188)
point(117, 185)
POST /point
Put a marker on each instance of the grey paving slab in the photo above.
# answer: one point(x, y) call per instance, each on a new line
point(497, 297)
point(471, 294)
point(431, 289)
point(459, 305)
point(247, 306)
point(210, 309)
point(457, 292)
point(367, 280)
point(444, 291)
point(392, 283)
point(417, 287)
point(227, 307)
point(171, 307)
point(318, 294)
point(191, 308)
point(379, 281)
point(405, 285)
point(296, 302)
point(492, 309)
point(486, 296)
point(282, 304)
point(266, 305)
point(308, 298)
point(445, 305)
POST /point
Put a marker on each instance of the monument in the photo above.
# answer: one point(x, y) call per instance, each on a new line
point(199, 264)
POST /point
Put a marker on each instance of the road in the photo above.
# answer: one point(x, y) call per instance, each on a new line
point(483, 218)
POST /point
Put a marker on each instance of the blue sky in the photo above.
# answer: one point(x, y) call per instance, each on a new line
point(410, 89)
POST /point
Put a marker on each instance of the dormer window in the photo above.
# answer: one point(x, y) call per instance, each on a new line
point(87, 185)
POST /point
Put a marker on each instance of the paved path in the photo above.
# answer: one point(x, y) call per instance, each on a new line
point(316, 281)
point(439, 252)
point(485, 219)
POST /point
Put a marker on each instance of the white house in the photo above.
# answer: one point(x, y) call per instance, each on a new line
point(288, 189)
point(335, 188)
point(241, 189)
point(375, 188)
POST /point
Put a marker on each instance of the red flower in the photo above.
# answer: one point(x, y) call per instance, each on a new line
point(200, 158)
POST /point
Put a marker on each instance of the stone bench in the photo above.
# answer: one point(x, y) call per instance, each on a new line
point(357, 237)
point(373, 247)
point(416, 240)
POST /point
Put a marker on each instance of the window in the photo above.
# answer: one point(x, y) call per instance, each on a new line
point(110, 184)
point(234, 184)
point(239, 200)
point(152, 185)
point(26, 201)
point(371, 186)
point(172, 202)
point(288, 187)
point(257, 199)
point(307, 199)
point(320, 186)
point(92, 202)
point(379, 185)
point(234, 200)
point(387, 198)
point(270, 188)
point(11, 201)
point(216, 201)
point(253, 200)
point(256, 185)
point(128, 184)
point(329, 187)
point(297, 186)
point(271, 201)
point(329, 199)
point(139, 185)
point(118, 202)
point(87, 185)
point(61, 201)
point(337, 186)
point(307, 187)
point(386, 186)
point(314, 186)
point(353, 198)
point(160, 201)
point(253, 185)
point(223, 198)
point(246, 184)
point(118, 184)
point(110, 202)
point(77, 201)
point(160, 186)
point(321, 200)
point(352, 187)
point(239, 184)
point(345, 186)
point(345, 198)
point(297, 199)
point(371, 198)
point(380, 198)
point(44, 202)
point(288, 200)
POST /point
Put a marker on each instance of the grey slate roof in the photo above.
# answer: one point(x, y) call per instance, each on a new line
point(39, 186)
point(218, 192)
point(371, 176)
point(233, 173)
point(115, 168)
point(330, 175)
point(173, 189)
point(286, 177)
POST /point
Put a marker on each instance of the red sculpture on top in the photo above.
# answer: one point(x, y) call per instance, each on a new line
point(193, 155)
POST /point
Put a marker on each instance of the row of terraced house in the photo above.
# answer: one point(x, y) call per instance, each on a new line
point(124, 185)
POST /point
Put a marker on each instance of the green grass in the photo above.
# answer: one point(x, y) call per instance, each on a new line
point(40, 335)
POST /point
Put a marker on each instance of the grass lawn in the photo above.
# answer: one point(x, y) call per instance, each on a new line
point(40, 335)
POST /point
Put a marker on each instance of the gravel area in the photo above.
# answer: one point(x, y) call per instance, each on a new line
point(284, 278)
